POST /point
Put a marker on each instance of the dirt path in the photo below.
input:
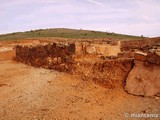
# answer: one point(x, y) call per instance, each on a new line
point(28, 93)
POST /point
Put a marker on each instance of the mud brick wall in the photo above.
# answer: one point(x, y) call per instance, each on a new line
point(53, 56)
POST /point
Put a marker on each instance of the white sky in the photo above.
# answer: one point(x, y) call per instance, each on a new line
point(135, 17)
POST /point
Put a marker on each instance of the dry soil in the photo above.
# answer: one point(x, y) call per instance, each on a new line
point(28, 93)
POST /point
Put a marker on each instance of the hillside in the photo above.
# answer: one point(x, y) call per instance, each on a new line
point(64, 33)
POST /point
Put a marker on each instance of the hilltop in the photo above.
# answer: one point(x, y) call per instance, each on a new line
point(65, 33)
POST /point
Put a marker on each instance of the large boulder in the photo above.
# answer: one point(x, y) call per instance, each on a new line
point(144, 79)
point(153, 58)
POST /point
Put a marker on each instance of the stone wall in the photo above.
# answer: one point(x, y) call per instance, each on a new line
point(139, 44)
point(53, 56)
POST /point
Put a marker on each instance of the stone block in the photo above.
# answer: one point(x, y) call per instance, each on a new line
point(140, 56)
point(143, 80)
point(153, 58)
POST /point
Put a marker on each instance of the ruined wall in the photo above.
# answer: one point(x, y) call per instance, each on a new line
point(63, 57)
point(139, 44)
point(104, 49)
point(53, 56)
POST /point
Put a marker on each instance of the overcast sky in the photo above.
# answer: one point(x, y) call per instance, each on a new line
point(135, 17)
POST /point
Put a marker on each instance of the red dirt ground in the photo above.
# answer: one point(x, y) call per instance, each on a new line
point(29, 93)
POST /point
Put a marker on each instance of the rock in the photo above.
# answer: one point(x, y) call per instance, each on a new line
point(120, 55)
point(140, 56)
point(129, 54)
point(158, 52)
point(71, 48)
point(153, 58)
point(90, 49)
point(145, 48)
point(143, 80)
point(49, 47)
point(49, 59)
point(49, 56)
point(54, 60)
point(156, 97)
point(111, 57)
point(59, 60)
